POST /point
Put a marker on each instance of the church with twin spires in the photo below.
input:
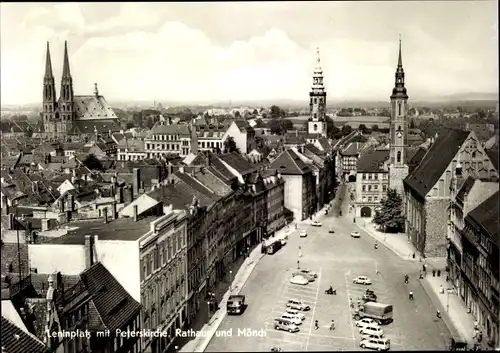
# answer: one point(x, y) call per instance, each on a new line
point(70, 114)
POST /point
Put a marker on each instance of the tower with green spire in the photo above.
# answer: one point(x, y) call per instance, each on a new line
point(49, 95)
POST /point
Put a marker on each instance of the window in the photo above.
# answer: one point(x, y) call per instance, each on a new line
point(369, 188)
point(398, 157)
point(369, 199)
point(363, 188)
point(375, 198)
point(369, 177)
point(363, 176)
point(399, 103)
point(375, 187)
point(315, 127)
point(384, 187)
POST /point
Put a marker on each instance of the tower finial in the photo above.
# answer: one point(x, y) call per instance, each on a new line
point(66, 72)
point(48, 64)
point(96, 91)
point(400, 61)
point(318, 59)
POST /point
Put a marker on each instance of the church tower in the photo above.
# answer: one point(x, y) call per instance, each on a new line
point(49, 95)
point(398, 167)
point(66, 99)
point(317, 103)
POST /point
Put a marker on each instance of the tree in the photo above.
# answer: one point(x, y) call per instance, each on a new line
point(237, 114)
point(390, 214)
point(346, 129)
point(276, 127)
point(286, 124)
point(374, 127)
point(150, 123)
point(412, 124)
point(275, 112)
point(255, 112)
point(92, 162)
point(363, 128)
point(129, 125)
point(230, 145)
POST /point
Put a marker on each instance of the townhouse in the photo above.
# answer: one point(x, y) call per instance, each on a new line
point(300, 184)
point(169, 139)
point(145, 251)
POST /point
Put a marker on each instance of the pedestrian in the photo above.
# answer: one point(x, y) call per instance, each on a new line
point(298, 264)
point(332, 326)
point(410, 296)
point(316, 325)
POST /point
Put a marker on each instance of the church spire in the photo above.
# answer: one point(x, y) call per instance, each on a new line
point(399, 90)
point(66, 72)
point(48, 64)
point(400, 61)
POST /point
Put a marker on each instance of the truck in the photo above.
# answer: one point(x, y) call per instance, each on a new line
point(381, 313)
point(236, 304)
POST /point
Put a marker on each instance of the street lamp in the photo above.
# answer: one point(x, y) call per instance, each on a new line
point(231, 280)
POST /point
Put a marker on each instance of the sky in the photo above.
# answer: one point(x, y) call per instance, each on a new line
point(244, 51)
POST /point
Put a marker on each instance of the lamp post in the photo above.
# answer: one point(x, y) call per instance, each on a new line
point(448, 299)
point(231, 280)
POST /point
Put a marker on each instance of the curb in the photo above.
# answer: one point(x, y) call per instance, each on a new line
point(444, 314)
point(203, 346)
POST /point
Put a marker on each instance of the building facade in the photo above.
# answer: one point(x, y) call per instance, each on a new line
point(372, 181)
point(480, 267)
point(454, 154)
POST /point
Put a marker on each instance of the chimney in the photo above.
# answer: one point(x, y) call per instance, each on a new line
point(45, 224)
point(135, 213)
point(194, 140)
point(113, 208)
point(11, 221)
point(5, 205)
point(89, 251)
point(105, 215)
point(136, 182)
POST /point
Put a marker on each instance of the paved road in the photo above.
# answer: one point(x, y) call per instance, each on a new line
point(337, 258)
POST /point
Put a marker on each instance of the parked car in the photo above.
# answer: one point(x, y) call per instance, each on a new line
point(362, 280)
point(297, 305)
point(306, 271)
point(301, 280)
point(285, 325)
point(316, 224)
point(372, 330)
point(303, 233)
point(330, 230)
point(296, 313)
point(355, 235)
point(294, 319)
point(382, 344)
point(365, 322)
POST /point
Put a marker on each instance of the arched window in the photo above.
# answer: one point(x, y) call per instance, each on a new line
point(398, 158)
point(315, 127)
point(315, 100)
point(399, 108)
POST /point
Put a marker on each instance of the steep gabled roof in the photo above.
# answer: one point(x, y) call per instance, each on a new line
point(436, 160)
point(486, 215)
point(236, 161)
point(493, 155)
point(15, 339)
point(371, 161)
point(113, 303)
point(289, 163)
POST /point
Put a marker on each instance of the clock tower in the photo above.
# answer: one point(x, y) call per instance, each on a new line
point(398, 167)
point(317, 103)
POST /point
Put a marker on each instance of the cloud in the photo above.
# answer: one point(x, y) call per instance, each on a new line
point(135, 54)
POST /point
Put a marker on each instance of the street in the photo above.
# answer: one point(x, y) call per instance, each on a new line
point(336, 258)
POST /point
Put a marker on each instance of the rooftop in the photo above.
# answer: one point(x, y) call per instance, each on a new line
point(486, 215)
point(119, 229)
point(372, 161)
